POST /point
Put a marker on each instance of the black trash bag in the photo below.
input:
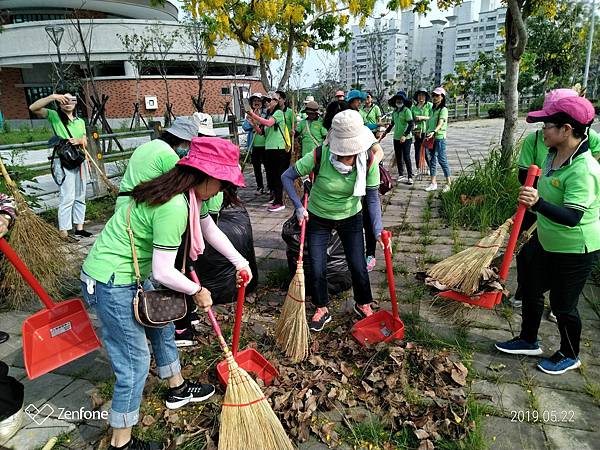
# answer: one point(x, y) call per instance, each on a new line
point(338, 274)
point(214, 270)
point(11, 393)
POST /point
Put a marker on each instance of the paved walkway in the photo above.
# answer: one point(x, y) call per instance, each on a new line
point(567, 406)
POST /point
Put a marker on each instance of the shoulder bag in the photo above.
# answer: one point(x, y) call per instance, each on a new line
point(158, 307)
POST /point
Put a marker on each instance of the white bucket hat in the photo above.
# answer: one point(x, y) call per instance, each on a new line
point(349, 135)
point(204, 123)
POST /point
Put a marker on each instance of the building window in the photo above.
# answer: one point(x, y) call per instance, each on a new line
point(225, 91)
point(21, 18)
point(33, 94)
point(491, 19)
point(491, 27)
point(491, 35)
point(462, 39)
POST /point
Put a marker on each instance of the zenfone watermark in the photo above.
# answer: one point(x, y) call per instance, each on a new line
point(44, 412)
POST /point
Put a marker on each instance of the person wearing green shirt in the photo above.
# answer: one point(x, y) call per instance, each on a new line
point(567, 244)
point(436, 133)
point(421, 111)
point(290, 119)
point(158, 213)
point(276, 157)
point(310, 131)
point(403, 124)
point(344, 177)
point(73, 182)
point(371, 114)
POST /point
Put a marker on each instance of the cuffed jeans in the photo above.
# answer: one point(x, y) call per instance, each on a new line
point(350, 231)
point(402, 152)
point(564, 275)
point(125, 342)
point(438, 153)
point(71, 206)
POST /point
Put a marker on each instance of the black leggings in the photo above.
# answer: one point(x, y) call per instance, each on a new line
point(402, 151)
point(257, 163)
point(276, 162)
point(370, 241)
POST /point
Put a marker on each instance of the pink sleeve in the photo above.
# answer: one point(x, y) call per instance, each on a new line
point(164, 271)
point(266, 122)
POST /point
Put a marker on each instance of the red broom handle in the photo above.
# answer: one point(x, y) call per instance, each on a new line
point(303, 227)
point(533, 172)
point(387, 250)
point(25, 273)
point(239, 309)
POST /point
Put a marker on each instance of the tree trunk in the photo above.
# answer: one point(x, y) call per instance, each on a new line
point(289, 59)
point(137, 99)
point(264, 76)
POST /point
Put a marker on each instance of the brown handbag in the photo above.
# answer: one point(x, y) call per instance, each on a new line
point(159, 307)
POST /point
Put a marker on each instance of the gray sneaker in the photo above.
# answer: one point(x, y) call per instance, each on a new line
point(551, 316)
point(515, 303)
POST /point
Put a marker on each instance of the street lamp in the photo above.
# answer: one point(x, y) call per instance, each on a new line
point(55, 33)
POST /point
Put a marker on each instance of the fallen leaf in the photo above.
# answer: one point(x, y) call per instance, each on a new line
point(497, 367)
point(148, 420)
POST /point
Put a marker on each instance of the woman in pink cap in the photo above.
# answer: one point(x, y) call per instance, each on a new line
point(562, 254)
point(159, 212)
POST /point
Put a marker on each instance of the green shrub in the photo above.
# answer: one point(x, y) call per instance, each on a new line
point(496, 110)
point(496, 189)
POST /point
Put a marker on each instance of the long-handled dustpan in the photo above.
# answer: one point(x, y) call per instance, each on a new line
point(492, 298)
point(250, 359)
point(382, 326)
point(56, 335)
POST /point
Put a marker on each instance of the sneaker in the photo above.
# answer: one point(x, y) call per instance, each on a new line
point(69, 239)
point(514, 302)
point(188, 392)
point(517, 346)
point(3, 337)
point(558, 363)
point(319, 319)
point(83, 233)
point(402, 179)
point(551, 317)
point(136, 444)
point(185, 338)
point(371, 262)
point(410, 181)
point(276, 207)
point(363, 310)
point(446, 188)
point(431, 187)
point(194, 319)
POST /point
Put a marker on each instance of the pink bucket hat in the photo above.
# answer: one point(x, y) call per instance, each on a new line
point(551, 98)
point(578, 109)
point(216, 157)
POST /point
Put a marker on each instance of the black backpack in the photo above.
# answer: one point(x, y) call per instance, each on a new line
point(69, 155)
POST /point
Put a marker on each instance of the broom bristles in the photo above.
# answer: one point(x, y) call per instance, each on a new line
point(247, 420)
point(291, 330)
point(462, 271)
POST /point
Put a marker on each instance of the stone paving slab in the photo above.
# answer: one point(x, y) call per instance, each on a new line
point(506, 435)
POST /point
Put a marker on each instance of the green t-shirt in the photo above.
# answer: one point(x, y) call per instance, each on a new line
point(317, 130)
point(401, 119)
point(212, 205)
point(159, 227)
point(258, 140)
point(424, 111)
point(289, 119)
point(372, 115)
point(76, 126)
point(533, 150)
point(575, 185)
point(331, 196)
point(274, 135)
point(436, 115)
point(148, 161)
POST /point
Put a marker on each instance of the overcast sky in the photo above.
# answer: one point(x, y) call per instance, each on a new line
point(317, 59)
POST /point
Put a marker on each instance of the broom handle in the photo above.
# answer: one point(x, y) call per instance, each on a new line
point(102, 175)
point(6, 176)
point(25, 273)
point(239, 309)
point(532, 173)
point(386, 237)
point(303, 232)
point(211, 314)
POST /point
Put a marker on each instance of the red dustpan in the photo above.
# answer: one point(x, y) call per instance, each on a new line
point(54, 336)
point(492, 298)
point(382, 326)
point(250, 360)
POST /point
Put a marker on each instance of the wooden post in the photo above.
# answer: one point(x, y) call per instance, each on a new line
point(156, 128)
point(233, 131)
point(95, 152)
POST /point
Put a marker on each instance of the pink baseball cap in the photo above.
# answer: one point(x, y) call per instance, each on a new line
point(440, 91)
point(579, 109)
point(340, 93)
point(216, 157)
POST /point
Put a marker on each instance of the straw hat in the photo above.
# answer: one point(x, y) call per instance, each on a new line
point(348, 134)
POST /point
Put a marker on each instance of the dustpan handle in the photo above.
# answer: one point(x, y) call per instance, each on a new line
point(387, 251)
point(239, 309)
point(25, 273)
point(533, 172)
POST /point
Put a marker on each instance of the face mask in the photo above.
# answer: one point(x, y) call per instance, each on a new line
point(399, 105)
point(182, 151)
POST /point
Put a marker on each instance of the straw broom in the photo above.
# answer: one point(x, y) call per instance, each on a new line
point(462, 271)
point(39, 245)
point(291, 330)
point(247, 420)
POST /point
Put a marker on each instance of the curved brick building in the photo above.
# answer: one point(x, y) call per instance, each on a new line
point(27, 56)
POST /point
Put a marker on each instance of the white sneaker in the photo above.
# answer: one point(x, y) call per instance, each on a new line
point(402, 179)
point(410, 181)
point(551, 317)
point(446, 188)
point(431, 187)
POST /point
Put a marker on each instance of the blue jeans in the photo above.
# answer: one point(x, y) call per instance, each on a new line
point(71, 203)
point(125, 341)
point(350, 231)
point(438, 152)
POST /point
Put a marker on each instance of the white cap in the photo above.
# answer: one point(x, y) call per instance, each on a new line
point(204, 123)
